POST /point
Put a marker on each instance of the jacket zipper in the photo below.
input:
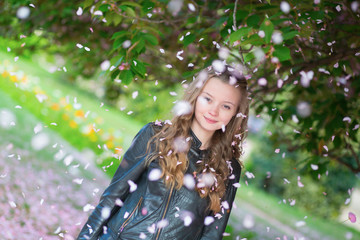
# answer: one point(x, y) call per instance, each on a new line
point(166, 207)
point(127, 220)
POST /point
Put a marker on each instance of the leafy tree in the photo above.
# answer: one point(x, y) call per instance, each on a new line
point(301, 57)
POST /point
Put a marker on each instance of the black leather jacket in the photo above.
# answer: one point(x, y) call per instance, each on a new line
point(153, 211)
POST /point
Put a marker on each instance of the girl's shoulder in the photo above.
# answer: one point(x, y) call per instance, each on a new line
point(150, 129)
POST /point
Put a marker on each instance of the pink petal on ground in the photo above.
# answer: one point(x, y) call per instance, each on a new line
point(352, 217)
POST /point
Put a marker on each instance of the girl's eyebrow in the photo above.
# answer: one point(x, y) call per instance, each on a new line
point(224, 101)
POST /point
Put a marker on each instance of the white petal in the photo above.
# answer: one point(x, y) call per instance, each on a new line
point(155, 174)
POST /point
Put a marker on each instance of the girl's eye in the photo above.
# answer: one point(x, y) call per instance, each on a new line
point(206, 99)
point(227, 107)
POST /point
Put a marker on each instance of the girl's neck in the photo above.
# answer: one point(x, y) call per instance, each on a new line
point(203, 136)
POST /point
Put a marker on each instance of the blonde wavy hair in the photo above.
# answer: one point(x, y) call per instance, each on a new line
point(224, 146)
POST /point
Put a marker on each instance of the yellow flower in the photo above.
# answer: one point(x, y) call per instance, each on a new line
point(118, 150)
point(55, 106)
point(68, 107)
point(87, 130)
point(73, 124)
point(79, 113)
point(109, 144)
point(13, 78)
point(5, 74)
point(93, 137)
point(65, 117)
point(24, 79)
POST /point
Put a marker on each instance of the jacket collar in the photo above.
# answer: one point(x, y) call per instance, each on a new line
point(196, 143)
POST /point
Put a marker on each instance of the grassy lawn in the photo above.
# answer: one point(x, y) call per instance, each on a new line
point(53, 85)
point(116, 129)
point(291, 215)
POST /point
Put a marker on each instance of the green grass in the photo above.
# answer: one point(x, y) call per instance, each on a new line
point(113, 119)
point(51, 84)
point(290, 215)
point(21, 134)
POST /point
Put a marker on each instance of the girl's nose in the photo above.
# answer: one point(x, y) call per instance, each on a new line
point(214, 110)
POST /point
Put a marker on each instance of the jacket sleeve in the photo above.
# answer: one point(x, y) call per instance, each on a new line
point(130, 168)
point(215, 230)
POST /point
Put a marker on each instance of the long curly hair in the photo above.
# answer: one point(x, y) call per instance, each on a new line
point(224, 145)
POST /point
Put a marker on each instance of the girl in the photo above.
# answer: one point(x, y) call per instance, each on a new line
point(178, 179)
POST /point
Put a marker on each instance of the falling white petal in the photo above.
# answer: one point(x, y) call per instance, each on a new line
point(155, 174)
point(23, 12)
point(262, 82)
point(285, 7)
point(208, 220)
point(40, 141)
point(314, 167)
point(303, 109)
point(189, 181)
point(105, 213)
point(182, 108)
point(133, 185)
point(191, 7)
point(105, 65)
point(218, 65)
point(79, 12)
point(78, 180)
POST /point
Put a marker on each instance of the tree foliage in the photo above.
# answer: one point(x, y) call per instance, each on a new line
point(301, 58)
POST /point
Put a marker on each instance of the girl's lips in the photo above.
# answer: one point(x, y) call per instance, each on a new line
point(210, 120)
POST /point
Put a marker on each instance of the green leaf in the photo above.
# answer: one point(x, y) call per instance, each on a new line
point(276, 15)
point(267, 7)
point(104, 7)
point(220, 21)
point(133, 4)
point(189, 74)
point(151, 39)
point(282, 53)
point(118, 43)
point(317, 15)
point(239, 34)
point(130, 12)
point(147, 6)
point(140, 46)
point(118, 62)
point(119, 34)
point(114, 74)
point(87, 3)
point(253, 20)
point(254, 40)
point(189, 39)
point(268, 27)
point(126, 76)
point(138, 67)
point(117, 19)
point(248, 57)
point(241, 14)
point(192, 20)
point(290, 35)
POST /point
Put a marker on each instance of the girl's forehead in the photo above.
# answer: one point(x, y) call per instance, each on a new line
point(222, 90)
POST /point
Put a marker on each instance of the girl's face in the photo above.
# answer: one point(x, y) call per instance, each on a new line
point(214, 107)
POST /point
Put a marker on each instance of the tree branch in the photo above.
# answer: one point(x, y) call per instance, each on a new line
point(349, 166)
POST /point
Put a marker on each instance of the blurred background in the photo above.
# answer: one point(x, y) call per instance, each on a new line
point(78, 79)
